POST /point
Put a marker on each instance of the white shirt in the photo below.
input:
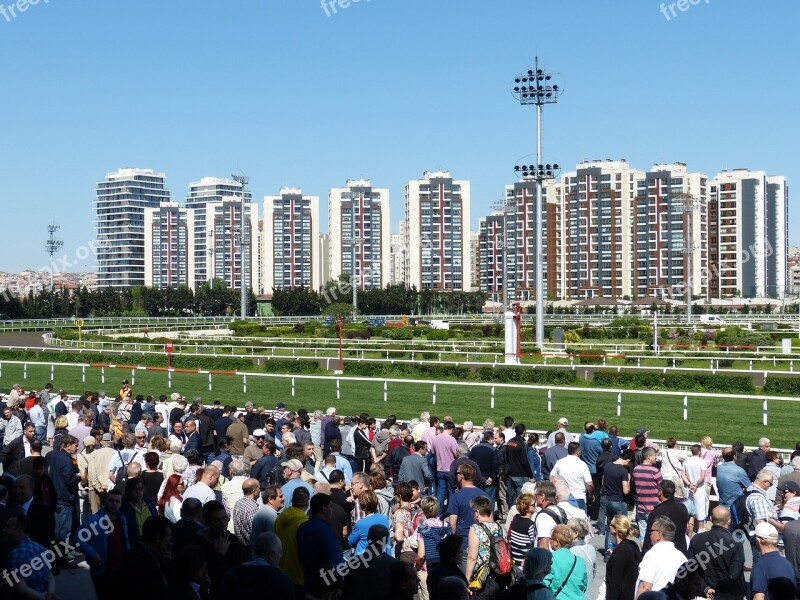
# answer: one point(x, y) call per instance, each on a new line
point(575, 474)
point(659, 565)
point(568, 437)
point(695, 468)
point(544, 523)
point(201, 491)
point(72, 419)
point(672, 460)
point(37, 416)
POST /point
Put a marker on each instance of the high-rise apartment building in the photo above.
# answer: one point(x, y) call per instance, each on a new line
point(360, 234)
point(597, 210)
point(437, 211)
point(670, 241)
point(169, 245)
point(291, 241)
point(748, 242)
point(216, 234)
point(120, 203)
point(398, 255)
point(475, 259)
point(325, 258)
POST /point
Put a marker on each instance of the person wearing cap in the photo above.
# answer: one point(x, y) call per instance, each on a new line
point(772, 565)
point(790, 493)
point(791, 472)
point(561, 427)
point(97, 472)
point(719, 551)
point(239, 434)
point(255, 450)
point(279, 414)
point(292, 470)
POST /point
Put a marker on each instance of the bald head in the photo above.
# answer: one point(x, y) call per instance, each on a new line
point(251, 488)
point(721, 516)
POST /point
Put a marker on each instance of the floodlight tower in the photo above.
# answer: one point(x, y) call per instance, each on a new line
point(51, 246)
point(535, 87)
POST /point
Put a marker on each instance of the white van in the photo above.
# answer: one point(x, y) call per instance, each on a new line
point(711, 320)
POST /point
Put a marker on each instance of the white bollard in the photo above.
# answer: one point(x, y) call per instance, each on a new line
point(434, 393)
point(292, 386)
point(102, 374)
point(385, 391)
point(169, 378)
point(765, 418)
point(338, 390)
point(549, 401)
point(492, 406)
point(83, 374)
point(619, 404)
point(52, 372)
point(1, 370)
point(25, 371)
point(686, 408)
point(244, 383)
point(209, 382)
point(133, 377)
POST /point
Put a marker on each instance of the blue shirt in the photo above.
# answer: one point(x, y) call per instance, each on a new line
point(731, 480)
point(459, 505)
point(358, 537)
point(771, 566)
point(317, 547)
point(290, 486)
point(535, 462)
point(590, 450)
point(22, 554)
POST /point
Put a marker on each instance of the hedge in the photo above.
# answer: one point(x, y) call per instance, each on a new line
point(688, 382)
point(424, 371)
point(290, 366)
point(533, 376)
point(782, 386)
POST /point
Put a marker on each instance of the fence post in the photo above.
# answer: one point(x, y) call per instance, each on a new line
point(638, 362)
point(686, 408)
point(385, 391)
point(492, 406)
point(83, 374)
point(1, 370)
point(549, 401)
point(133, 376)
point(604, 360)
point(434, 393)
point(25, 371)
point(766, 418)
point(244, 383)
point(52, 372)
point(293, 387)
point(751, 365)
point(169, 378)
point(440, 357)
point(209, 382)
point(338, 390)
point(102, 374)
point(619, 404)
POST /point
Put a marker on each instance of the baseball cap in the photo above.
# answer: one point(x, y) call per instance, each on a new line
point(89, 441)
point(791, 486)
point(106, 437)
point(642, 431)
point(238, 414)
point(249, 404)
point(124, 381)
point(767, 532)
point(259, 433)
point(563, 421)
point(280, 405)
point(294, 464)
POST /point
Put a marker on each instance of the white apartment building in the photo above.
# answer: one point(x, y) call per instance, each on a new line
point(169, 246)
point(671, 233)
point(216, 203)
point(475, 259)
point(120, 203)
point(748, 241)
point(360, 234)
point(291, 241)
point(437, 211)
point(398, 255)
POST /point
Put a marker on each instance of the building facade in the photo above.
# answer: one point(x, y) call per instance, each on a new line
point(169, 246)
point(437, 212)
point(291, 241)
point(360, 234)
point(120, 204)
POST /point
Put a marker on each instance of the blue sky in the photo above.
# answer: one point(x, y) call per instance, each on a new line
point(384, 89)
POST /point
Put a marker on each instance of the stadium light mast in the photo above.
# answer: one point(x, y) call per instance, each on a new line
point(535, 87)
point(51, 246)
point(243, 243)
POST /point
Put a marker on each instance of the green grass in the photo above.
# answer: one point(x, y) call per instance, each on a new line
point(725, 420)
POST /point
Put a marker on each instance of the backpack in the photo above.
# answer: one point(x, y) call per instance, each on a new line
point(500, 561)
point(275, 476)
point(121, 476)
point(740, 517)
point(559, 519)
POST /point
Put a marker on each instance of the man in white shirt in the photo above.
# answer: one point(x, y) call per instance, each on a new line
point(203, 490)
point(662, 561)
point(72, 415)
point(575, 473)
point(694, 476)
point(39, 420)
point(562, 427)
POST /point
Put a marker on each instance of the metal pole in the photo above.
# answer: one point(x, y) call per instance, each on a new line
point(353, 254)
point(539, 278)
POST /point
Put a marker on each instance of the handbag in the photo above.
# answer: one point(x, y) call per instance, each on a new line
point(480, 575)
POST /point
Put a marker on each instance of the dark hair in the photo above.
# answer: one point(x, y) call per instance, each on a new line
point(318, 503)
point(628, 455)
point(667, 488)
point(519, 429)
point(487, 435)
point(300, 497)
point(336, 476)
point(210, 508)
point(573, 448)
point(131, 483)
point(151, 459)
point(154, 528)
point(606, 444)
point(449, 547)
point(193, 457)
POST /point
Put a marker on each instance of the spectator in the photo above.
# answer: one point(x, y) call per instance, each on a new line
point(660, 564)
point(567, 579)
point(169, 505)
point(772, 566)
point(622, 568)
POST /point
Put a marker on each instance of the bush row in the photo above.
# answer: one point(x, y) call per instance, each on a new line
point(689, 382)
point(782, 386)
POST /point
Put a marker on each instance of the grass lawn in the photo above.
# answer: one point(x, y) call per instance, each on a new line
point(724, 420)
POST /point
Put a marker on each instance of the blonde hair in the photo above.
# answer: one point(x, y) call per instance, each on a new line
point(624, 527)
point(429, 506)
point(61, 422)
point(706, 442)
point(563, 535)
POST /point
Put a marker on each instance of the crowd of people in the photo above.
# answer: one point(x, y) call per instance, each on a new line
point(174, 499)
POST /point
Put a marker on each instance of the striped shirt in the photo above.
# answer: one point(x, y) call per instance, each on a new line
point(521, 537)
point(646, 479)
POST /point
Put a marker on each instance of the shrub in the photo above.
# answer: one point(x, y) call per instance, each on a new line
point(782, 386)
point(437, 335)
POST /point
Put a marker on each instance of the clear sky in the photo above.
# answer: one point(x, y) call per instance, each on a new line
point(384, 89)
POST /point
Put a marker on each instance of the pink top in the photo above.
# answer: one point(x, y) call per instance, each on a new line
point(444, 447)
point(709, 456)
